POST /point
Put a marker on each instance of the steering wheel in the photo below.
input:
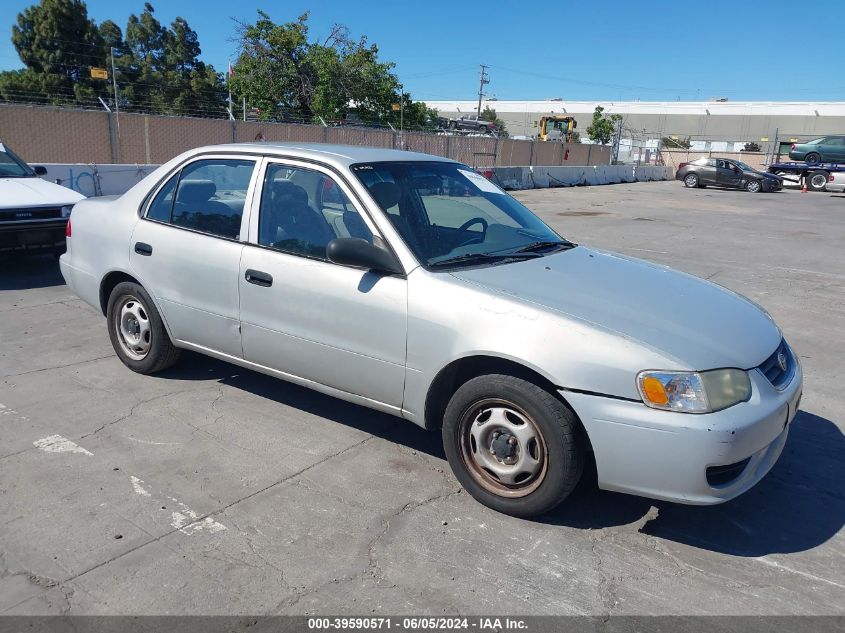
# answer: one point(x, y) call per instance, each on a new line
point(463, 229)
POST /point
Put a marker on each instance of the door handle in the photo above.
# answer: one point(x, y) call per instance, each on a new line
point(143, 249)
point(258, 278)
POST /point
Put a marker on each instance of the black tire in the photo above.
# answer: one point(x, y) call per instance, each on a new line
point(813, 158)
point(558, 445)
point(753, 186)
point(817, 180)
point(691, 181)
point(160, 352)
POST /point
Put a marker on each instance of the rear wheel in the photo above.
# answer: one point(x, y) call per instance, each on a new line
point(817, 180)
point(813, 158)
point(513, 445)
point(137, 332)
point(691, 180)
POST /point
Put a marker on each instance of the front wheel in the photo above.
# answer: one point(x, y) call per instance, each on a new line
point(137, 332)
point(691, 181)
point(513, 445)
point(753, 186)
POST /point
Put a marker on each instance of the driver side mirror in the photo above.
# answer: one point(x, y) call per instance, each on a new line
point(40, 170)
point(357, 252)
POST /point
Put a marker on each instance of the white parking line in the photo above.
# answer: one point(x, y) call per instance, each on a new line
point(185, 520)
point(59, 444)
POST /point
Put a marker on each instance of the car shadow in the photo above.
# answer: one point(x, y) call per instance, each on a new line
point(798, 506)
point(19, 271)
point(192, 366)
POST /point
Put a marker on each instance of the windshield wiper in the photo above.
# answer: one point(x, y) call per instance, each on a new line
point(469, 258)
point(543, 245)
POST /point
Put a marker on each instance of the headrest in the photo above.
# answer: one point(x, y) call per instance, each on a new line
point(286, 189)
point(195, 191)
point(387, 194)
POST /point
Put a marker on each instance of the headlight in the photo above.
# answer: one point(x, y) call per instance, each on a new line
point(694, 392)
point(66, 210)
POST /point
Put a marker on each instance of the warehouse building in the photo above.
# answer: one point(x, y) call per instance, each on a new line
point(718, 125)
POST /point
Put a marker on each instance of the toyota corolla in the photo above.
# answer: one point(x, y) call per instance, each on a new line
point(412, 285)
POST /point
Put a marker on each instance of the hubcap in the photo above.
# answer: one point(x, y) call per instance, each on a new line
point(503, 448)
point(691, 180)
point(132, 324)
point(754, 186)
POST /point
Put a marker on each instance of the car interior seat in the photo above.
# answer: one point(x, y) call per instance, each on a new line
point(195, 209)
point(289, 222)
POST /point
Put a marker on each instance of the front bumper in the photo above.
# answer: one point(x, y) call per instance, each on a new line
point(36, 235)
point(666, 455)
point(770, 184)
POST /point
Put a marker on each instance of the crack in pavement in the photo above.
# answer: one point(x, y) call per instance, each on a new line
point(203, 517)
point(52, 367)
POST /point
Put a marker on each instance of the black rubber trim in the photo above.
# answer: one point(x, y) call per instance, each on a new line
point(600, 395)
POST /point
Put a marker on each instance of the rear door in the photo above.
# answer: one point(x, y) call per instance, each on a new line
point(186, 250)
point(834, 149)
point(706, 170)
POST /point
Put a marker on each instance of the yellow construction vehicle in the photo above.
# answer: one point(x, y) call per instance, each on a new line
point(556, 127)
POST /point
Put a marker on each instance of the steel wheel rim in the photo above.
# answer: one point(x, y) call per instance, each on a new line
point(818, 181)
point(513, 476)
point(132, 326)
point(691, 180)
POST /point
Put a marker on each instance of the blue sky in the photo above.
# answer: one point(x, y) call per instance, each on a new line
point(612, 50)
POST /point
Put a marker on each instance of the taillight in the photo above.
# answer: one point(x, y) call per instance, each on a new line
point(792, 149)
point(67, 229)
point(830, 178)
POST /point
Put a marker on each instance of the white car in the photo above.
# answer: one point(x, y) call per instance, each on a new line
point(33, 212)
point(835, 182)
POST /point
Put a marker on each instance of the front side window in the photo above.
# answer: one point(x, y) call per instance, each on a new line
point(206, 196)
point(302, 210)
point(447, 213)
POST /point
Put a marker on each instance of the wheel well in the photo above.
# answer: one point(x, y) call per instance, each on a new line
point(460, 371)
point(108, 284)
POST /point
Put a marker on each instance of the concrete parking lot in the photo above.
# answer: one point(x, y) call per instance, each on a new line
point(214, 490)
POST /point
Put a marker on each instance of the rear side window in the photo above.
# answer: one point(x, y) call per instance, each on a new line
point(206, 196)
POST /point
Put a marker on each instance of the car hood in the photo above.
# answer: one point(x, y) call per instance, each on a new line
point(699, 324)
point(35, 192)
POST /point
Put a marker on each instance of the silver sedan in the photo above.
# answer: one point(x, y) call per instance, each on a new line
point(413, 285)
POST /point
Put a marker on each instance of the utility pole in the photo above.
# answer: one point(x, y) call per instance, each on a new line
point(484, 80)
point(116, 106)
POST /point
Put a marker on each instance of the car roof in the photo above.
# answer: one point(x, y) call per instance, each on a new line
point(339, 155)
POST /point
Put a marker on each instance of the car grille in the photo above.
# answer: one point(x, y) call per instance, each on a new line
point(723, 475)
point(30, 214)
point(772, 369)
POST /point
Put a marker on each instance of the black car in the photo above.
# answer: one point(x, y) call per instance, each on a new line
point(723, 172)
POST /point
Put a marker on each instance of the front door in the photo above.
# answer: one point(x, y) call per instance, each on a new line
point(305, 316)
point(186, 251)
point(727, 173)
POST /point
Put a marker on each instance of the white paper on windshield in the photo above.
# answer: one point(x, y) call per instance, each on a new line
point(2, 148)
point(481, 182)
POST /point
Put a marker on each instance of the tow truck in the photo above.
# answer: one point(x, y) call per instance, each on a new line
point(814, 176)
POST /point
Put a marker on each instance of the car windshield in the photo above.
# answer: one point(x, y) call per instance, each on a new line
point(11, 166)
point(449, 214)
point(743, 166)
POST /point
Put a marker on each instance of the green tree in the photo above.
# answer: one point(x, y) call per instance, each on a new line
point(603, 127)
point(58, 44)
point(158, 68)
point(281, 71)
point(667, 142)
point(489, 114)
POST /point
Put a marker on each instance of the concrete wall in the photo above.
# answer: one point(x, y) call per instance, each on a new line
point(537, 177)
point(58, 135)
point(105, 180)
